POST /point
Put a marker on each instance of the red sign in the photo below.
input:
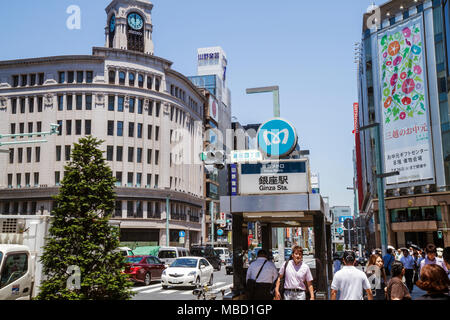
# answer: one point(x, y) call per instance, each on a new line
point(355, 117)
point(250, 238)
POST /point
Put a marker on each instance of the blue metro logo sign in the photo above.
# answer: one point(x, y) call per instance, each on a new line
point(277, 138)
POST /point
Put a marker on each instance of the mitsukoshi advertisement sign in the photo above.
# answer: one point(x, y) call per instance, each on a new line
point(404, 103)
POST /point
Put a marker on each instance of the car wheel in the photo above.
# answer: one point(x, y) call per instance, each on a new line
point(197, 283)
point(148, 279)
point(164, 287)
point(211, 280)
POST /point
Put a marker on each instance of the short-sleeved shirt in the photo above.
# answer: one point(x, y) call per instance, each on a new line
point(296, 275)
point(397, 289)
point(268, 273)
point(350, 282)
point(408, 262)
point(439, 261)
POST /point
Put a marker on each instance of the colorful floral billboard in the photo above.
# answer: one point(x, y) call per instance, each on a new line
point(405, 127)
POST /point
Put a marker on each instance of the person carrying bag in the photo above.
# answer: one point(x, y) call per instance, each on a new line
point(266, 272)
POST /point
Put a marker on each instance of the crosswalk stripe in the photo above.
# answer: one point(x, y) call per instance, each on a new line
point(147, 287)
point(168, 291)
point(226, 287)
point(152, 290)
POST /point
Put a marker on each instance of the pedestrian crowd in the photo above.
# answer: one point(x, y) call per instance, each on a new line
point(388, 277)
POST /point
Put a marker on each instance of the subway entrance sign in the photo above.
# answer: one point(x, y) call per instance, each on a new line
point(274, 177)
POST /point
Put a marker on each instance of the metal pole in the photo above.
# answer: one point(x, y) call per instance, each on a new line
point(276, 103)
point(167, 220)
point(211, 211)
point(380, 189)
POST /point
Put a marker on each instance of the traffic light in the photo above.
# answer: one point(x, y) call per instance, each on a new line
point(213, 157)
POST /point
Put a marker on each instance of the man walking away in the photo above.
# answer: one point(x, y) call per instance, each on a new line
point(349, 281)
point(388, 259)
point(396, 289)
point(264, 273)
point(408, 264)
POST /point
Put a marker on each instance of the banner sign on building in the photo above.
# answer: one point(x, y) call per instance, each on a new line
point(282, 177)
point(213, 108)
point(406, 129)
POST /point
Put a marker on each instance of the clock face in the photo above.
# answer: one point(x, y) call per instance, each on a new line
point(112, 24)
point(135, 21)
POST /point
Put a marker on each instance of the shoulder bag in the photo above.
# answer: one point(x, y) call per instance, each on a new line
point(281, 288)
point(251, 283)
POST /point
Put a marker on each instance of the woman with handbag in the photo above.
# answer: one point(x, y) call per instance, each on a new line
point(295, 278)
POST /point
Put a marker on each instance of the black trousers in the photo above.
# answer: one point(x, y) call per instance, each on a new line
point(409, 274)
point(262, 291)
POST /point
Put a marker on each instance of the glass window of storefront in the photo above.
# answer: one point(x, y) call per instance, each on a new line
point(416, 214)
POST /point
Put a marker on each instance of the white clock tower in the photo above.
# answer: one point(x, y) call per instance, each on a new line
point(129, 25)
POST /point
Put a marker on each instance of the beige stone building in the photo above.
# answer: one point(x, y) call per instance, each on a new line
point(120, 94)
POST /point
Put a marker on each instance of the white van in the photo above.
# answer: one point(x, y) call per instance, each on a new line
point(224, 254)
point(16, 272)
point(126, 251)
point(168, 254)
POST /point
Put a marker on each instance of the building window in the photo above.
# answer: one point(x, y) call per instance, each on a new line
point(131, 79)
point(109, 153)
point(87, 127)
point(39, 127)
point(122, 78)
point(22, 105)
point(24, 80)
point(111, 128)
point(67, 153)
point(14, 106)
point(79, 102)
point(57, 178)
point(70, 77)
point(27, 179)
point(38, 154)
point(158, 107)
point(29, 150)
point(118, 179)
point(61, 77)
point(36, 179)
point(130, 180)
point(149, 180)
point(58, 153)
point(11, 155)
point(139, 130)
point(88, 102)
point(156, 183)
point(13, 128)
point(60, 124)
point(15, 81)
point(118, 209)
point(21, 128)
point(150, 107)
point(120, 128)
point(31, 105)
point(112, 77)
point(156, 133)
point(32, 80)
point(140, 105)
point(30, 127)
point(111, 103)
point(131, 105)
point(131, 129)
point(140, 81)
point(420, 8)
point(77, 127)
point(69, 102)
point(130, 154)
point(156, 157)
point(89, 76)
point(19, 185)
point(40, 102)
point(139, 155)
point(41, 79)
point(10, 181)
point(68, 127)
point(119, 153)
point(120, 104)
point(60, 103)
point(138, 181)
point(157, 84)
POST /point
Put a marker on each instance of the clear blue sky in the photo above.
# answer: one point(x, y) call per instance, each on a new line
point(305, 47)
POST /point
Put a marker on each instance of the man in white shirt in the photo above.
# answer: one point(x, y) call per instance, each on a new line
point(349, 281)
point(266, 277)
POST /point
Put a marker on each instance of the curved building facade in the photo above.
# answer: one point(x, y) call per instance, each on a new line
point(118, 94)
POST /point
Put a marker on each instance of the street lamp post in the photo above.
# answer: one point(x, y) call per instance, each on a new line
point(380, 184)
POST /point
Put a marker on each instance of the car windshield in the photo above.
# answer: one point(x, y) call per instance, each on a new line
point(133, 259)
point(184, 263)
point(167, 254)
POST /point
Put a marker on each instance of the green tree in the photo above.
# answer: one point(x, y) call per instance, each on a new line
point(80, 234)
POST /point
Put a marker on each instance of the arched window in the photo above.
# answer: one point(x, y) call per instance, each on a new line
point(131, 78)
point(122, 78)
point(141, 81)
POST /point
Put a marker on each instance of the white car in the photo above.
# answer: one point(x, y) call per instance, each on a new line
point(188, 272)
point(224, 254)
